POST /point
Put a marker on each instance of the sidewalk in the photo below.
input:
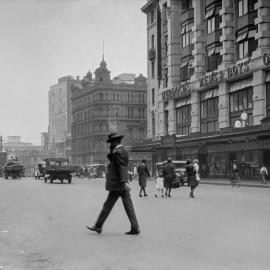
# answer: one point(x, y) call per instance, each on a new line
point(226, 182)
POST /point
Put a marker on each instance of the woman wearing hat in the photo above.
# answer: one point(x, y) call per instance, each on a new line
point(191, 177)
point(143, 173)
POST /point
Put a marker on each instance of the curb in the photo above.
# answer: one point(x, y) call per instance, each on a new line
point(228, 184)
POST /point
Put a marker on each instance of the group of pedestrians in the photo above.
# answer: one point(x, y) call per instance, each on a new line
point(166, 177)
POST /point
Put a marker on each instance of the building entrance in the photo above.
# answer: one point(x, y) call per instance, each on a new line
point(203, 161)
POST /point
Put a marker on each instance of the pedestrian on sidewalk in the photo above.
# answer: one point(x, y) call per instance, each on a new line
point(116, 184)
point(263, 174)
point(197, 169)
point(168, 172)
point(191, 177)
point(143, 173)
point(235, 177)
point(159, 184)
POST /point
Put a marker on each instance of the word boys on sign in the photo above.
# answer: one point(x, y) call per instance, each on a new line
point(219, 76)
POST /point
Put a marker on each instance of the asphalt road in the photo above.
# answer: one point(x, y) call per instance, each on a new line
point(42, 226)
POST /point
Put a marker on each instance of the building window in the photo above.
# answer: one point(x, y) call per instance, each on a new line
point(268, 98)
point(153, 68)
point(187, 4)
point(164, 7)
point(130, 112)
point(241, 101)
point(166, 78)
point(153, 124)
point(214, 59)
point(242, 7)
point(187, 34)
point(166, 122)
point(152, 16)
point(183, 120)
point(166, 45)
point(246, 44)
point(213, 20)
point(186, 69)
point(209, 111)
point(153, 96)
point(153, 42)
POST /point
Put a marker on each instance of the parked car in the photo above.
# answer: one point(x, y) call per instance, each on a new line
point(96, 170)
point(180, 170)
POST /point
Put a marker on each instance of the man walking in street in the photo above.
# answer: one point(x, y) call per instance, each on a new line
point(143, 173)
point(116, 184)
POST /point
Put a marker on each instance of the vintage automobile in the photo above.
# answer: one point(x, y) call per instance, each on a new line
point(180, 170)
point(58, 169)
point(14, 169)
point(96, 170)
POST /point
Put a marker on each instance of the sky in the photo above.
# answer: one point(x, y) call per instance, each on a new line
point(43, 40)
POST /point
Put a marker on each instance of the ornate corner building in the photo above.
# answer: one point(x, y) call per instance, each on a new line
point(101, 106)
point(209, 83)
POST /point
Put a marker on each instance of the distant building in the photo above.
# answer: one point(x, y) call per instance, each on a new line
point(60, 111)
point(102, 106)
point(123, 78)
point(44, 141)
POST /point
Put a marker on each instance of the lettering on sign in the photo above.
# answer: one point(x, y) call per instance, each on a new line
point(219, 76)
point(176, 92)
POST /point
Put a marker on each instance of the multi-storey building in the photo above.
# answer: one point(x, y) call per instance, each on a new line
point(101, 106)
point(209, 83)
point(60, 115)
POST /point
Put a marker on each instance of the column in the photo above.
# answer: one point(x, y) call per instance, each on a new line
point(263, 23)
point(195, 112)
point(160, 119)
point(227, 38)
point(223, 106)
point(198, 40)
point(259, 96)
point(172, 116)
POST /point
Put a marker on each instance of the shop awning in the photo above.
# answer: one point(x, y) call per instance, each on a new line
point(211, 51)
point(182, 102)
point(209, 13)
point(185, 62)
point(235, 86)
point(209, 94)
point(242, 36)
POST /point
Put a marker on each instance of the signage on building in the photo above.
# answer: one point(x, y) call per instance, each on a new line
point(266, 59)
point(176, 92)
point(219, 76)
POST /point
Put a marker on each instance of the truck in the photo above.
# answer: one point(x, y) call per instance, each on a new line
point(3, 160)
point(13, 168)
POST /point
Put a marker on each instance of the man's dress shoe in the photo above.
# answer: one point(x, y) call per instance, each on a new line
point(133, 232)
point(94, 228)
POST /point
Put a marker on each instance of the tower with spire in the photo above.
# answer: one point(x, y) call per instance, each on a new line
point(102, 74)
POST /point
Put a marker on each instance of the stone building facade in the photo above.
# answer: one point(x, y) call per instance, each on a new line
point(60, 115)
point(100, 107)
point(209, 83)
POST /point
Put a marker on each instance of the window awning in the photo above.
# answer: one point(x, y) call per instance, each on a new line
point(241, 37)
point(211, 51)
point(218, 49)
point(209, 13)
point(209, 94)
point(182, 102)
point(184, 62)
point(251, 34)
point(235, 86)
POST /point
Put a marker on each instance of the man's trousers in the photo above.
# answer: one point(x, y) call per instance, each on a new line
point(109, 203)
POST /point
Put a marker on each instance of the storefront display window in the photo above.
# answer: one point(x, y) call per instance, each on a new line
point(241, 101)
point(183, 120)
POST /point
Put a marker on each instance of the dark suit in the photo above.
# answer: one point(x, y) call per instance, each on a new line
point(116, 180)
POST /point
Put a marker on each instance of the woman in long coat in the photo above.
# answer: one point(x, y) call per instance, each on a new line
point(168, 172)
point(191, 177)
point(143, 174)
